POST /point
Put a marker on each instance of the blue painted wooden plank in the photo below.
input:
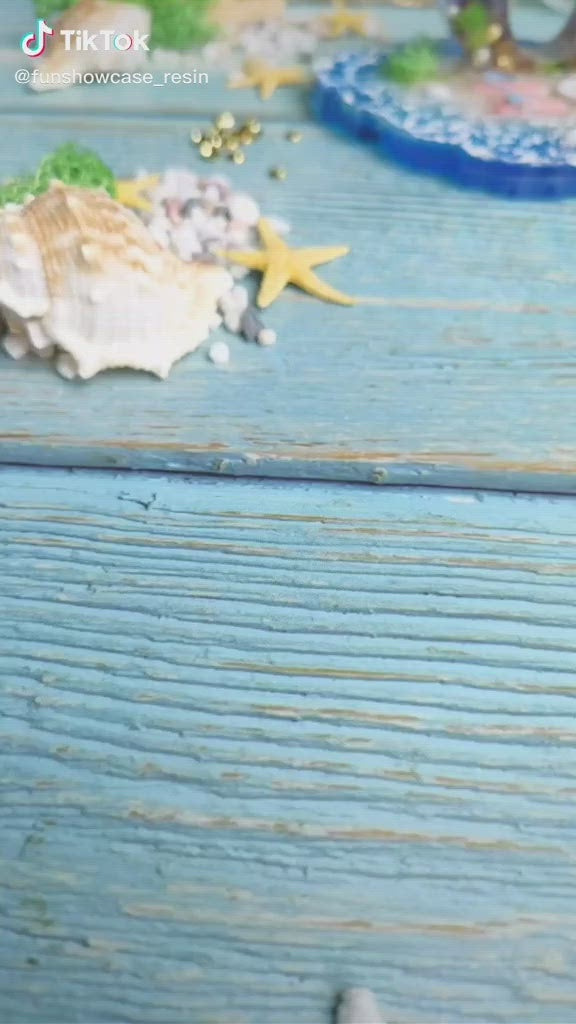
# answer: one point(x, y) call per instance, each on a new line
point(457, 371)
point(259, 741)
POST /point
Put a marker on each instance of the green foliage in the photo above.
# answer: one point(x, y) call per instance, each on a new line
point(17, 190)
point(176, 24)
point(49, 9)
point(417, 61)
point(553, 67)
point(180, 24)
point(69, 164)
point(473, 24)
point(75, 166)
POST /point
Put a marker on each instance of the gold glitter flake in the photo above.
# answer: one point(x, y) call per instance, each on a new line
point(225, 138)
point(226, 121)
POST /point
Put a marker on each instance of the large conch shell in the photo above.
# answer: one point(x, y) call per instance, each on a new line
point(92, 16)
point(82, 279)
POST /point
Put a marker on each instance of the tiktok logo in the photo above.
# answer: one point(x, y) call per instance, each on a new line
point(34, 44)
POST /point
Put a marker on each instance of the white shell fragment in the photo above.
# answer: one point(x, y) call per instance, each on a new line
point(358, 1006)
point(91, 18)
point(82, 278)
point(267, 337)
point(243, 208)
point(567, 87)
point(219, 353)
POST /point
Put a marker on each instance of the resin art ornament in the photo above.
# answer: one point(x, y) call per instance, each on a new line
point(480, 107)
point(57, 68)
point(82, 281)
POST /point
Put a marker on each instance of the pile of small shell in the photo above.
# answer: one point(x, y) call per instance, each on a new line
point(198, 218)
point(281, 42)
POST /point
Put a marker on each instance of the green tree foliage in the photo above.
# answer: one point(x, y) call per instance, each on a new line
point(417, 61)
point(473, 24)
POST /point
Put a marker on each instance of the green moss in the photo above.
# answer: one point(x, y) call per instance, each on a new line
point(75, 166)
point(176, 24)
point(415, 62)
point(70, 164)
point(473, 24)
point(553, 68)
point(180, 24)
point(16, 190)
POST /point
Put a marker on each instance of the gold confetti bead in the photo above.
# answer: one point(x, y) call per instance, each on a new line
point(206, 149)
point(196, 136)
point(238, 157)
point(254, 127)
point(294, 136)
point(279, 173)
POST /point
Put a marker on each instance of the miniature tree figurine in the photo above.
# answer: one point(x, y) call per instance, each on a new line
point(483, 29)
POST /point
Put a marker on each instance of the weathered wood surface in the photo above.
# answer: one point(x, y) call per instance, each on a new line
point(262, 740)
point(457, 370)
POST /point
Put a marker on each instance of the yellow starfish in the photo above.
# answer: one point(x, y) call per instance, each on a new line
point(260, 75)
point(281, 265)
point(129, 191)
point(344, 22)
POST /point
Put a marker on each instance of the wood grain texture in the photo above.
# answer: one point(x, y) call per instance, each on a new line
point(458, 369)
point(263, 740)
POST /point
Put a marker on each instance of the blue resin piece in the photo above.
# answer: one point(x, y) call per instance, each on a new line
point(519, 159)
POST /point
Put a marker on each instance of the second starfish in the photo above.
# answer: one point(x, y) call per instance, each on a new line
point(281, 265)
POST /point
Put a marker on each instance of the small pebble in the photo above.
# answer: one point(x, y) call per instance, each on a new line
point(211, 195)
point(251, 325)
point(239, 272)
point(244, 209)
point(278, 173)
point(239, 297)
point(66, 366)
point(267, 337)
point(232, 321)
point(567, 87)
point(15, 346)
point(437, 91)
point(219, 353)
point(358, 1006)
